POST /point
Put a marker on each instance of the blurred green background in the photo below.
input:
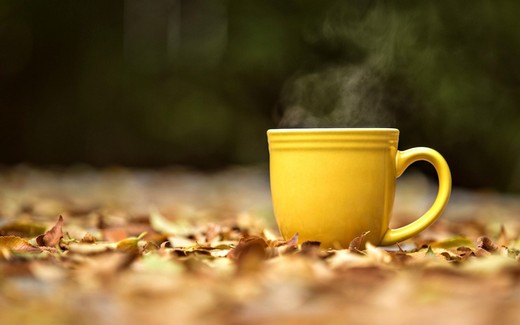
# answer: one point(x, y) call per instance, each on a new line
point(197, 82)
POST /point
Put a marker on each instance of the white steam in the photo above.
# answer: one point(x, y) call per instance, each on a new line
point(339, 96)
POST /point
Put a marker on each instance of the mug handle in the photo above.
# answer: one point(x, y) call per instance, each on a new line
point(405, 159)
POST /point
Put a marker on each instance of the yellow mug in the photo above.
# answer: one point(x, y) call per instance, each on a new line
point(333, 185)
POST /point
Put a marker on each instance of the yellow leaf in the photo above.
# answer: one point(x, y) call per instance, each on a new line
point(453, 242)
point(130, 245)
point(10, 244)
point(22, 229)
point(162, 225)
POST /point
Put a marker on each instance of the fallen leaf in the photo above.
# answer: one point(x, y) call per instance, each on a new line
point(162, 225)
point(88, 239)
point(292, 242)
point(450, 257)
point(400, 257)
point(487, 244)
point(311, 249)
point(158, 264)
point(131, 245)
point(91, 249)
point(178, 241)
point(490, 264)
point(310, 244)
point(480, 252)
point(15, 244)
point(503, 239)
point(47, 271)
point(22, 229)
point(344, 259)
point(277, 248)
point(105, 265)
point(357, 244)
point(453, 242)
point(248, 245)
point(119, 232)
point(269, 235)
point(249, 253)
point(189, 268)
point(114, 234)
point(377, 254)
point(465, 252)
point(53, 236)
point(513, 253)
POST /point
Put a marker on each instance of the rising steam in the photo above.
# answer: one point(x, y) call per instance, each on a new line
point(338, 96)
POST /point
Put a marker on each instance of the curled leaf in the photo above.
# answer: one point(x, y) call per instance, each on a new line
point(293, 241)
point(53, 236)
point(130, 245)
point(357, 244)
point(252, 245)
point(283, 247)
point(249, 253)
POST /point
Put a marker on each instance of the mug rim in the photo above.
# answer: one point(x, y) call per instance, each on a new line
point(290, 130)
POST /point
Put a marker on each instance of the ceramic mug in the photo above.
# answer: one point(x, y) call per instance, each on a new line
point(332, 185)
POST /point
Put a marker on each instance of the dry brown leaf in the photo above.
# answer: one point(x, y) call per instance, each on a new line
point(283, 247)
point(465, 252)
point(312, 249)
point(53, 236)
point(247, 246)
point(293, 241)
point(357, 244)
point(249, 253)
point(273, 241)
point(88, 239)
point(486, 243)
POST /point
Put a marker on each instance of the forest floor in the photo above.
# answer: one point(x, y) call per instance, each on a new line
point(175, 246)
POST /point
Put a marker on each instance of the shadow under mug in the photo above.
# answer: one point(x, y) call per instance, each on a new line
point(333, 185)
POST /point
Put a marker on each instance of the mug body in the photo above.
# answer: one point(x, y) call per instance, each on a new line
point(332, 185)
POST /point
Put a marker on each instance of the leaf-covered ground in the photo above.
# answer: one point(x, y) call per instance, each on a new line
point(117, 246)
